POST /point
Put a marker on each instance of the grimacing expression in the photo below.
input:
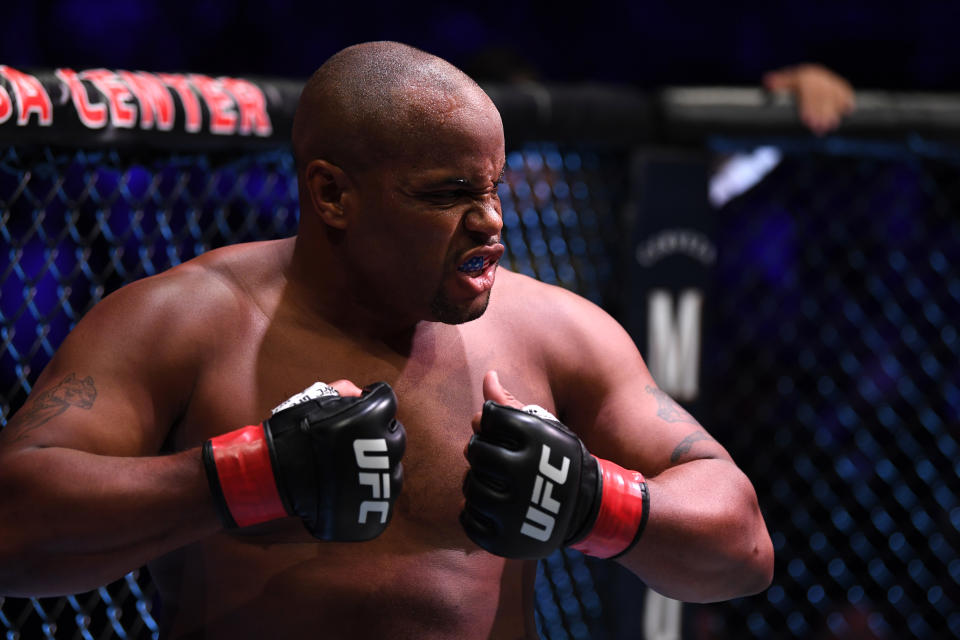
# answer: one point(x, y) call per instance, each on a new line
point(431, 214)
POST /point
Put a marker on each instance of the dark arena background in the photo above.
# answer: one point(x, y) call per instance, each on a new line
point(798, 294)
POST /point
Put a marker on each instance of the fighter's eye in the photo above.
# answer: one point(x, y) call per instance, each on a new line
point(445, 196)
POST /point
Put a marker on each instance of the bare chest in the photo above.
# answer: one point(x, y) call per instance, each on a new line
point(437, 378)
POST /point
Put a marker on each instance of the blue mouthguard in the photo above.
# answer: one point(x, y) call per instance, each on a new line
point(473, 264)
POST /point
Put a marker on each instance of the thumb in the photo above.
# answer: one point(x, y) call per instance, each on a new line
point(346, 388)
point(493, 390)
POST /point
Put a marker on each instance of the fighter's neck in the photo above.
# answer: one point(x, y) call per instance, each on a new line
point(320, 290)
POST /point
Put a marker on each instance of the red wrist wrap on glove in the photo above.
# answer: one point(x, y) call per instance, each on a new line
point(246, 476)
point(624, 507)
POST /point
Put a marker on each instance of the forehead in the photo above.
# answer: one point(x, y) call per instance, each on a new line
point(454, 131)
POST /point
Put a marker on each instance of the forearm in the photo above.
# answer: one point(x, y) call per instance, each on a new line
point(71, 520)
point(705, 539)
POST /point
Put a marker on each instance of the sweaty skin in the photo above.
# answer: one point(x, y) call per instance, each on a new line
point(370, 289)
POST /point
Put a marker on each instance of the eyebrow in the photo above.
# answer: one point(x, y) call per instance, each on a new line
point(464, 182)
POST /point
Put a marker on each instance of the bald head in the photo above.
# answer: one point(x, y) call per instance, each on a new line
point(371, 100)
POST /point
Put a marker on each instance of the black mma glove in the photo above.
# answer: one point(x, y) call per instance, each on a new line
point(533, 488)
point(332, 460)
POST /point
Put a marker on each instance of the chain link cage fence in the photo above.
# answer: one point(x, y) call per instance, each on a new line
point(837, 309)
point(831, 357)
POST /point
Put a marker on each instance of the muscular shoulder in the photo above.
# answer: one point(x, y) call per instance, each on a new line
point(574, 339)
point(141, 349)
point(554, 318)
point(186, 301)
point(164, 325)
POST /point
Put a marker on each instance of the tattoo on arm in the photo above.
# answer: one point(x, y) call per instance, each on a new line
point(69, 392)
point(668, 409)
point(684, 447)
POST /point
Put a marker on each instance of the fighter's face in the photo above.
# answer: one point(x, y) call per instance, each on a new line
point(431, 217)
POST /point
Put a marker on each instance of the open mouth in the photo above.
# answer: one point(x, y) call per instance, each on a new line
point(481, 263)
point(474, 265)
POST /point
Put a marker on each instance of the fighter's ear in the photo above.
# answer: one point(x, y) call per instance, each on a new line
point(327, 186)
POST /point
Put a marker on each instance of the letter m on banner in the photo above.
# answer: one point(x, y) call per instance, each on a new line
point(671, 271)
point(673, 340)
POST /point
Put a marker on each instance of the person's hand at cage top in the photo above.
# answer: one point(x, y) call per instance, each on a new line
point(823, 98)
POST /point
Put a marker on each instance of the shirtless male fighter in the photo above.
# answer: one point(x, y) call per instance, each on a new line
point(135, 446)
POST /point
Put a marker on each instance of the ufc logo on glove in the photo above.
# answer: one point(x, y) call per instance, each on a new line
point(543, 497)
point(331, 460)
point(365, 451)
point(577, 500)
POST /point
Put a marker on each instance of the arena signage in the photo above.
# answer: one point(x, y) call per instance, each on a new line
point(667, 301)
point(672, 261)
point(99, 105)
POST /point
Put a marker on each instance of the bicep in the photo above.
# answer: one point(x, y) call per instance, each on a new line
point(613, 403)
point(642, 427)
point(83, 409)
